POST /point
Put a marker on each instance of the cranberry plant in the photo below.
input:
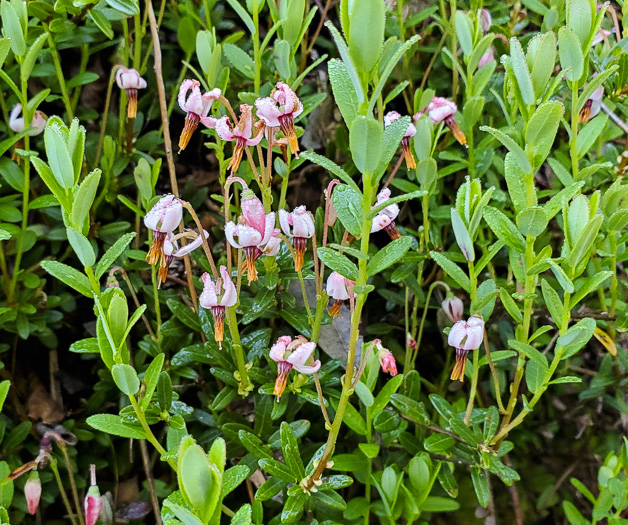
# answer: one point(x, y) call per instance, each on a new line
point(321, 263)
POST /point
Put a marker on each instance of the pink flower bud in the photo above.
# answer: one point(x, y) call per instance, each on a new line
point(32, 492)
point(386, 359)
point(453, 307)
point(93, 501)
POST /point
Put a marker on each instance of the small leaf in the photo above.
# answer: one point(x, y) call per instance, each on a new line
point(366, 143)
point(504, 229)
point(112, 424)
point(389, 255)
point(348, 206)
point(452, 269)
point(70, 276)
point(125, 378)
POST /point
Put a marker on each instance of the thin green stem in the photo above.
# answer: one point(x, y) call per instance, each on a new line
point(575, 117)
point(60, 77)
point(256, 53)
point(245, 383)
point(64, 495)
point(75, 495)
point(612, 236)
point(305, 301)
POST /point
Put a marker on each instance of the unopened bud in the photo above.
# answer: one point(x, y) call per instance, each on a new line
point(93, 501)
point(453, 307)
point(32, 492)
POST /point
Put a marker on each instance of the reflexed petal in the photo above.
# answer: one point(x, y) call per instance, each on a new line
point(268, 112)
point(186, 85)
point(305, 369)
point(209, 122)
point(248, 236)
point(337, 287)
point(230, 230)
point(224, 128)
point(457, 334)
point(208, 297)
point(230, 295)
point(285, 221)
point(190, 247)
point(380, 221)
point(270, 227)
point(303, 223)
point(301, 354)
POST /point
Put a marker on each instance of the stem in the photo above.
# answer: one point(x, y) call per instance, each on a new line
point(612, 236)
point(476, 353)
point(353, 339)
point(256, 56)
point(307, 304)
point(64, 495)
point(498, 394)
point(150, 481)
point(68, 464)
point(60, 77)
point(245, 383)
point(103, 126)
point(575, 116)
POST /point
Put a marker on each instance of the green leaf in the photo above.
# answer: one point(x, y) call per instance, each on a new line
point(248, 21)
point(541, 130)
point(579, 19)
point(293, 507)
point(101, 22)
point(5, 45)
point(504, 229)
point(290, 449)
point(348, 205)
point(70, 276)
point(255, 445)
point(352, 418)
point(59, 157)
point(452, 269)
point(414, 410)
point(348, 63)
point(112, 424)
point(382, 399)
point(575, 338)
point(366, 143)
point(593, 84)
point(270, 489)
point(344, 93)
point(243, 516)
point(510, 305)
point(12, 29)
point(388, 255)
point(529, 351)
point(392, 137)
point(81, 247)
point(364, 394)
point(113, 253)
point(199, 479)
point(563, 279)
point(151, 378)
point(464, 31)
point(125, 378)
point(233, 477)
point(32, 55)
point(532, 221)
point(480, 484)
point(584, 242)
point(565, 379)
point(49, 179)
point(126, 7)
point(589, 135)
point(553, 303)
point(333, 168)
point(240, 60)
point(185, 314)
point(365, 47)
point(4, 390)
point(586, 285)
point(462, 236)
point(520, 69)
point(535, 376)
point(570, 54)
point(541, 61)
point(438, 443)
point(278, 469)
point(513, 147)
point(439, 504)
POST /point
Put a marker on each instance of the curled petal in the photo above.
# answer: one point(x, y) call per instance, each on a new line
point(272, 247)
point(186, 85)
point(224, 128)
point(278, 350)
point(301, 354)
point(285, 221)
point(269, 229)
point(190, 247)
point(208, 297)
point(457, 334)
point(305, 369)
point(209, 122)
point(248, 237)
point(337, 287)
point(230, 231)
point(303, 223)
point(380, 221)
point(230, 295)
point(268, 112)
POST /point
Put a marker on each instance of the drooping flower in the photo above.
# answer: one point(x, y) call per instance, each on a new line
point(279, 111)
point(196, 108)
point(93, 501)
point(172, 250)
point(16, 121)
point(453, 307)
point(32, 492)
point(486, 20)
point(302, 229)
point(386, 358)
point(242, 133)
point(592, 106)
point(162, 219)
point(254, 231)
point(464, 336)
point(338, 288)
point(487, 57)
point(442, 110)
point(217, 296)
point(385, 219)
point(130, 80)
point(289, 354)
point(601, 35)
point(272, 246)
point(393, 116)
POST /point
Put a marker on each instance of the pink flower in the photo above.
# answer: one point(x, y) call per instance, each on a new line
point(486, 20)
point(254, 231)
point(272, 246)
point(302, 229)
point(442, 110)
point(393, 116)
point(196, 108)
point(601, 35)
point(16, 122)
point(386, 359)
point(593, 105)
point(465, 336)
point(453, 307)
point(279, 111)
point(93, 501)
point(338, 288)
point(172, 250)
point(486, 58)
point(162, 219)
point(217, 296)
point(130, 80)
point(242, 134)
point(32, 492)
point(385, 219)
point(289, 354)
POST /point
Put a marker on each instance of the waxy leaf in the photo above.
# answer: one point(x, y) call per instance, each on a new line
point(388, 255)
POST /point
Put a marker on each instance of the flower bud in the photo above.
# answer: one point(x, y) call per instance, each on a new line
point(453, 307)
point(93, 501)
point(386, 359)
point(32, 492)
